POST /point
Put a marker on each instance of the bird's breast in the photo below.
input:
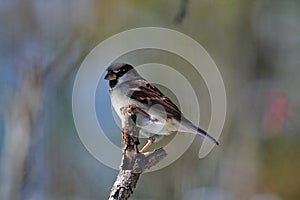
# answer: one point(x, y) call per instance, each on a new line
point(119, 100)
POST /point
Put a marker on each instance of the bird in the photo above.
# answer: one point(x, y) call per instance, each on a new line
point(128, 88)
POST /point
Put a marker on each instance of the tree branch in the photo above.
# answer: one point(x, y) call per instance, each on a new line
point(133, 163)
point(182, 12)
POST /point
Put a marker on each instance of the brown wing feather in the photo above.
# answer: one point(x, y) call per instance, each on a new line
point(147, 93)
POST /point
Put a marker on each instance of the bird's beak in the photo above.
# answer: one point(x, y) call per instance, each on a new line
point(110, 76)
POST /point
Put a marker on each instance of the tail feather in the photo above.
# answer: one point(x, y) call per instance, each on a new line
point(205, 134)
point(188, 126)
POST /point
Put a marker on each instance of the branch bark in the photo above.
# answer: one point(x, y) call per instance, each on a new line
point(133, 163)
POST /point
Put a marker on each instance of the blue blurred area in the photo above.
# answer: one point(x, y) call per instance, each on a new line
point(1, 137)
point(107, 121)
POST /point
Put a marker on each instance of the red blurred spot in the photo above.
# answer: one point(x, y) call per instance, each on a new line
point(276, 112)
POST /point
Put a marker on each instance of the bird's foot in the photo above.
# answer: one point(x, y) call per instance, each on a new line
point(149, 143)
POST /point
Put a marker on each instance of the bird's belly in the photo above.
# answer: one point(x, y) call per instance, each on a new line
point(120, 103)
point(156, 125)
point(121, 100)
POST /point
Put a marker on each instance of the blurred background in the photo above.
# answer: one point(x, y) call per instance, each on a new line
point(256, 46)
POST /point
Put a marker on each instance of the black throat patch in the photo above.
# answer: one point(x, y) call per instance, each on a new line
point(113, 83)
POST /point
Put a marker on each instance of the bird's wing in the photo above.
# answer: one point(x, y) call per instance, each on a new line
point(148, 94)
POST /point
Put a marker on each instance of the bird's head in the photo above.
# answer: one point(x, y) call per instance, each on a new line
point(119, 73)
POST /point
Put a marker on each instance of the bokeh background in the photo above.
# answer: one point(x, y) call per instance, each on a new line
point(255, 44)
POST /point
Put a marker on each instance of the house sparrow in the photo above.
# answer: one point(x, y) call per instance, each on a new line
point(127, 87)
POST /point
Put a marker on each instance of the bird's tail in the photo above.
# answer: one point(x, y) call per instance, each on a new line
point(205, 134)
point(187, 126)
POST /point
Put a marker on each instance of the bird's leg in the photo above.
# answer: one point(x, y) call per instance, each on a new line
point(149, 143)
